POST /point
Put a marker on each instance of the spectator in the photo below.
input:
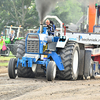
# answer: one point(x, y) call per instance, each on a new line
point(1, 34)
point(1, 44)
point(11, 36)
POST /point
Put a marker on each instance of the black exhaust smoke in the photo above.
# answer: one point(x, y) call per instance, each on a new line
point(44, 7)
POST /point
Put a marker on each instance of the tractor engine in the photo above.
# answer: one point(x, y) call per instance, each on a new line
point(35, 43)
point(32, 44)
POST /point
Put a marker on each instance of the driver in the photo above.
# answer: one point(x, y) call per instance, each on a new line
point(51, 27)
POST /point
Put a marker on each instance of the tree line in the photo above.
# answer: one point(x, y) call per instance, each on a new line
point(24, 13)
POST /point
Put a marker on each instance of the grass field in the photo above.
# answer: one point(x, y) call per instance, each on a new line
point(4, 60)
point(4, 64)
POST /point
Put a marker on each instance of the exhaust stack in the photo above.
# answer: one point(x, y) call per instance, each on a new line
point(41, 27)
point(44, 7)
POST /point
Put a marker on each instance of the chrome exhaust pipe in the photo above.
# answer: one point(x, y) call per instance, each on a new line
point(41, 27)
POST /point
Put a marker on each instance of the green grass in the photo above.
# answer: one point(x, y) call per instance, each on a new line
point(5, 58)
point(4, 64)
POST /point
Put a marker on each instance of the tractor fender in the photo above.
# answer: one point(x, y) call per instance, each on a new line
point(61, 44)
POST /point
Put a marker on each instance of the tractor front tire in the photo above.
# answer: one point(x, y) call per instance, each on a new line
point(51, 71)
point(12, 70)
point(70, 58)
point(7, 52)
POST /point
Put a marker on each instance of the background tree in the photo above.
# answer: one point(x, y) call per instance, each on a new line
point(23, 12)
point(18, 12)
point(69, 11)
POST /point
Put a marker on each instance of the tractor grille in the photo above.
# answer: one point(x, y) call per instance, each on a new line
point(33, 45)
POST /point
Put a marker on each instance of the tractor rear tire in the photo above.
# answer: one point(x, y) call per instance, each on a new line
point(12, 70)
point(51, 71)
point(70, 58)
point(14, 48)
point(7, 52)
point(21, 49)
point(25, 72)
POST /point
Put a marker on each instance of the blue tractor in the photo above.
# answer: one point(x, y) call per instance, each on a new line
point(66, 55)
point(57, 55)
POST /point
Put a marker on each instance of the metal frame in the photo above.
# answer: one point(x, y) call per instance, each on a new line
point(85, 38)
point(44, 62)
point(60, 22)
point(10, 27)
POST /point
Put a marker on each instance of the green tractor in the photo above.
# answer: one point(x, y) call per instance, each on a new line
point(18, 36)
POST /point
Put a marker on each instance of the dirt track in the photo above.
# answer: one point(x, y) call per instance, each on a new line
point(40, 89)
